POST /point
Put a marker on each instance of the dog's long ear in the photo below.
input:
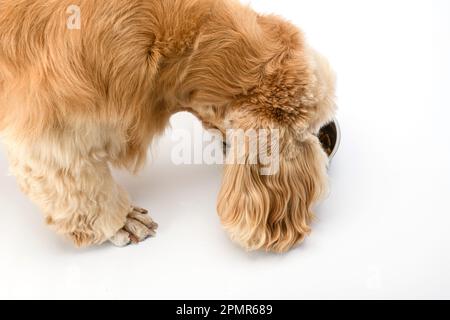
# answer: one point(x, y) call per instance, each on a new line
point(274, 212)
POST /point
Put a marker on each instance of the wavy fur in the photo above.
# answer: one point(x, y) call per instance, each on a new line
point(72, 102)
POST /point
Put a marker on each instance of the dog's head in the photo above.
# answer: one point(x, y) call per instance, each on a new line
point(271, 184)
point(261, 77)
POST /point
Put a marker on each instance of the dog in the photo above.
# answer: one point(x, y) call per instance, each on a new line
point(78, 98)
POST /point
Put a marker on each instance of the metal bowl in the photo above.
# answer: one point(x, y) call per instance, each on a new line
point(330, 138)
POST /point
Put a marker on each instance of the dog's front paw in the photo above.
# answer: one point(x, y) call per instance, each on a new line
point(138, 227)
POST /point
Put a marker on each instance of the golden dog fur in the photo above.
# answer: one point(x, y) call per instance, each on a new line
point(72, 102)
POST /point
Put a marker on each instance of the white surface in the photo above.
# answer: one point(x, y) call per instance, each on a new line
point(384, 232)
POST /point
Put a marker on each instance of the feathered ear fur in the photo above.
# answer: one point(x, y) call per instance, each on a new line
point(274, 212)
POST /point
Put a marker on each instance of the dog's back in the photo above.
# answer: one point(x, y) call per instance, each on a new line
point(50, 70)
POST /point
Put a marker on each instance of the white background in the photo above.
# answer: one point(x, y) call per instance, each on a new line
point(384, 232)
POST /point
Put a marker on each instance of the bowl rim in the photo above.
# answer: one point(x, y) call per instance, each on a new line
point(338, 138)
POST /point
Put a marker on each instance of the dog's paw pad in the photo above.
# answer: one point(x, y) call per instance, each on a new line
point(138, 227)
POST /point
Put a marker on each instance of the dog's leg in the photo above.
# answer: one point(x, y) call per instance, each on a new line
point(78, 195)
